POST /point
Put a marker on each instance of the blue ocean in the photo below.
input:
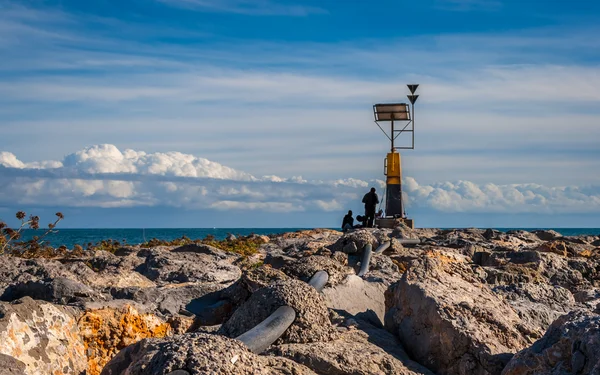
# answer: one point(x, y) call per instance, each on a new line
point(71, 237)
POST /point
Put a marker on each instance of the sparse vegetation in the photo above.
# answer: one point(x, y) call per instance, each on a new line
point(38, 248)
point(35, 247)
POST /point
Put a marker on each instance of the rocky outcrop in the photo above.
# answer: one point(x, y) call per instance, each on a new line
point(462, 301)
point(305, 268)
point(538, 305)
point(312, 319)
point(105, 330)
point(570, 346)
point(452, 324)
point(354, 353)
point(197, 354)
point(167, 267)
point(358, 297)
point(40, 338)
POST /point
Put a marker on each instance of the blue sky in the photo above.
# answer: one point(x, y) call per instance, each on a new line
point(157, 113)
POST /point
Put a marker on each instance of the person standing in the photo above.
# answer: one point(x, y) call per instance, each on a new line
point(370, 200)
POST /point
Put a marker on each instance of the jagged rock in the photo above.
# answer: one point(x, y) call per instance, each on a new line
point(182, 267)
point(354, 241)
point(403, 231)
point(206, 249)
point(589, 298)
point(276, 258)
point(312, 321)
point(107, 328)
point(513, 274)
point(11, 366)
point(357, 297)
point(556, 247)
point(449, 322)
point(547, 235)
point(197, 354)
point(262, 276)
point(41, 336)
point(383, 269)
point(524, 236)
point(538, 305)
point(170, 299)
point(364, 351)
point(59, 290)
point(305, 268)
point(571, 345)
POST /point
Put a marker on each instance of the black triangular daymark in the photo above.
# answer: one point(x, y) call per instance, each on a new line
point(412, 98)
point(412, 88)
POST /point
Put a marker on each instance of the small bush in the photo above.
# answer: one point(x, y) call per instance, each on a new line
point(36, 247)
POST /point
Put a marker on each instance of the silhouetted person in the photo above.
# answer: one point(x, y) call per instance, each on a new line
point(370, 200)
point(348, 222)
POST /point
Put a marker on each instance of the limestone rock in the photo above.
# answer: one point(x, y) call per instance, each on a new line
point(312, 319)
point(41, 336)
point(450, 323)
point(197, 354)
point(547, 235)
point(355, 241)
point(538, 305)
point(556, 247)
point(305, 268)
point(262, 276)
point(107, 329)
point(570, 346)
point(180, 267)
point(361, 352)
point(11, 366)
point(170, 299)
point(59, 290)
point(358, 297)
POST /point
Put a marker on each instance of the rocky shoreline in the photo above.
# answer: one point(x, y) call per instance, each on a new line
point(465, 301)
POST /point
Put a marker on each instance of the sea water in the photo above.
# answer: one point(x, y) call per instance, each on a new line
point(71, 237)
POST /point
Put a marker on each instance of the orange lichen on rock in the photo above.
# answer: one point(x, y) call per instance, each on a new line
point(107, 330)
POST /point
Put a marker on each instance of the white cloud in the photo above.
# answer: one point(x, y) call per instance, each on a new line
point(249, 7)
point(104, 176)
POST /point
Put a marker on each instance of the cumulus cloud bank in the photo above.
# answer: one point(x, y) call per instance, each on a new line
point(104, 176)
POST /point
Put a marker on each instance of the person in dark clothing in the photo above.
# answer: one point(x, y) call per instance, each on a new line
point(348, 222)
point(370, 200)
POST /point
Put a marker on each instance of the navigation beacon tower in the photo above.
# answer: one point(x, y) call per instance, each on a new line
point(401, 114)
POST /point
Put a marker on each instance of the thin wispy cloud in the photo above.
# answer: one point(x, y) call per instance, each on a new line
point(248, 7)
point(469, 5)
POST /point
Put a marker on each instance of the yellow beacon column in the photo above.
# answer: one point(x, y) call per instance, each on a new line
point(393, 205)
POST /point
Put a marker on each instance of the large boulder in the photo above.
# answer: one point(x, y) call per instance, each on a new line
point(166, 267)
point(538, 304)
point(40, 338)
point(362, 351)
point(305, 268)
point(60, 290)
point(106, 328)
point(355, 241)
point(197, 354)
point(312, 318)
point(357, 297)
point(450, 322)
point(570, 346)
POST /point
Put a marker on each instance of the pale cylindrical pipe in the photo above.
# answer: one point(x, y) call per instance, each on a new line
point(383, 247)
point(319, 280)
point(364, 266)
point(259, 338)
